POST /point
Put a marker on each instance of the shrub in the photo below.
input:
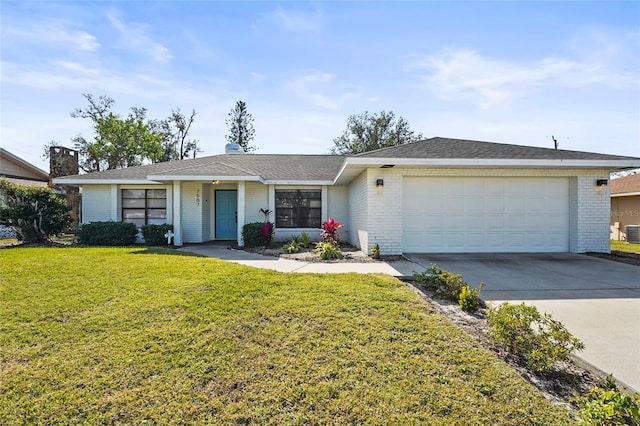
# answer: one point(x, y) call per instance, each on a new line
point(375, 252)
point(35, 213)
point(469, 300)
point(252, 234)
point(331, 231)
point(293, 245)
point(108, 233)
point(327, 251)
point(257, 234)
point(608, 406)
point(154, 234)
point(305, 240)
point(446, 284)
point(540, 339)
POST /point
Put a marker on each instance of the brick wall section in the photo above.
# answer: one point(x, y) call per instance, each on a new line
point(589, 204)
point(593, 215)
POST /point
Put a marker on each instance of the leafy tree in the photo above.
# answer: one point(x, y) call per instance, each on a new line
point(240, 125)
point(35, 212)
point(367, 132)
point(175, 129)
point(132, 140)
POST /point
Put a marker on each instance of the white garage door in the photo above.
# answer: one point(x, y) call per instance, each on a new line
point(465, 215)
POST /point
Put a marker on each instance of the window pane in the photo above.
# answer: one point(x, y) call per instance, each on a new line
point(133, 214)
point(133, 203)
point(157, 202)
point(156, 213)
point(156, 193)
point(133, 193)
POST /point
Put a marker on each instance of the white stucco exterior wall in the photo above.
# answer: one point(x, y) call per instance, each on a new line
point(358, 222)
point(96, 203)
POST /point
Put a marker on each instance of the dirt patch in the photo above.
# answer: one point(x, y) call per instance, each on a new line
point(618, 256)
point(570, 380)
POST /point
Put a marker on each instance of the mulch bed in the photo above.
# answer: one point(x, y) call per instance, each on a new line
point(619, 256)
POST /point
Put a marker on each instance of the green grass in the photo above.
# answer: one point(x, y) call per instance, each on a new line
point(132, 336)
point(624, 246)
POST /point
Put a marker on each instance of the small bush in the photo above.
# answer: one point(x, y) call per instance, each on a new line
point(375, 252)
point(108, 233)
point(537, 337)
point(446, 284)
point(154, 234)
point(293, 245)
point(469, 300)
point(305, 240)
point(252, 234)
point(327, 251)
point(608, 406)
point(429, 277)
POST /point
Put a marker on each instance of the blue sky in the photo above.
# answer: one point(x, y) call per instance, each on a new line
point(512, 72)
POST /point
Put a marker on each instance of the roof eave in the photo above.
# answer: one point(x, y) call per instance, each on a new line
point(494, 162)
point(81, 181)
point(626, 194)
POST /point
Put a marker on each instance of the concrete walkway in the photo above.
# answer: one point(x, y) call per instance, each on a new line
point(597, 300)
point(397, 269)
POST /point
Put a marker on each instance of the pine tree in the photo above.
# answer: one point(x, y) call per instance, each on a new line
point(240, 125)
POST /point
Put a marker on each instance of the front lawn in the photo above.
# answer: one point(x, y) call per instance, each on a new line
point(131, 336)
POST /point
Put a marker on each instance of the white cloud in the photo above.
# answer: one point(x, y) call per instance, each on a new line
point(55, 32)
point(135, 36)
point(321, 89)
point(465, 74)
point(293, 21)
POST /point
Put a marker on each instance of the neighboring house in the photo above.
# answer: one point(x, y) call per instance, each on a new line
point(22, 173)
point(436, 195)
point(625, 205)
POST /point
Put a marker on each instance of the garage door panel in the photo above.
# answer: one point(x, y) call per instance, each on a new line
point(485, 214)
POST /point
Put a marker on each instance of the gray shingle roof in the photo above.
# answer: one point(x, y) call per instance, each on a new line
point(325, 168)
point(269, 167)
point(461, 148)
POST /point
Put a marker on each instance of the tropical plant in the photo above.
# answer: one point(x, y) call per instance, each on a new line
point(327, 251)
point(305, 240)
point(331, 231)
point(375, 252)
point(267, 233)
point(293, 245)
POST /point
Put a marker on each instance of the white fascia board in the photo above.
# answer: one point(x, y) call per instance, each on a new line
point(487, 162)
point(205, 177)
point(299, 182)
point(625, 194)
point(80, 181)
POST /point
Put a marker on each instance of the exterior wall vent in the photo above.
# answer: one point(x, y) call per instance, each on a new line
point(233, 148)
point(633, 233)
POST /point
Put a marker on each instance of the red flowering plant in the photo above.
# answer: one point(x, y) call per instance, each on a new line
point(267, 233)
point(330, 231)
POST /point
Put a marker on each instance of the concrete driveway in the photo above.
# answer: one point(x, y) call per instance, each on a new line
point(597, 300)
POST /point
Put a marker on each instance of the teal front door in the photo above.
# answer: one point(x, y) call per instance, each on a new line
point(226, 214)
